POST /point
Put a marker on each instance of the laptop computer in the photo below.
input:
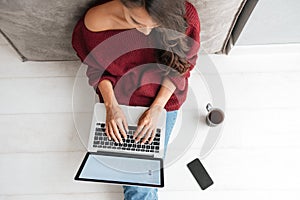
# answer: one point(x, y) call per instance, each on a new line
point(129, 163)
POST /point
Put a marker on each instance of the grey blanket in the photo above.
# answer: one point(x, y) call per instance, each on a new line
point(42, 30)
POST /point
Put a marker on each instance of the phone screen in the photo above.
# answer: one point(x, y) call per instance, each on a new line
point(200, 174)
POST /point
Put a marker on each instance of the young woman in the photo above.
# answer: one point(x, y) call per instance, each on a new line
point(154, 86)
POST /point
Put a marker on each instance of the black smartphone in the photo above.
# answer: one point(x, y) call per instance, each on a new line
point(200, 174)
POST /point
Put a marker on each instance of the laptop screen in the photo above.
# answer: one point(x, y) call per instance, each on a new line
point(120, 169)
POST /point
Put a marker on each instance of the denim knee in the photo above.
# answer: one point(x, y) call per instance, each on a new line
point(139, 193)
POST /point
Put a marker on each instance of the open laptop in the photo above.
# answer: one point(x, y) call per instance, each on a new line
point(128, 163)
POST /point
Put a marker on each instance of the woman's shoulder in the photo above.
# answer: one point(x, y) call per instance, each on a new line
point(192, 14)
point(192, 18)
point(97, 19)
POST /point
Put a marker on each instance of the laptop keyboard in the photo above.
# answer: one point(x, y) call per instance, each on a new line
point(102, 141)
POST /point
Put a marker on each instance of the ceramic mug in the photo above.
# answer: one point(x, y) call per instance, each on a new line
point(215, 116)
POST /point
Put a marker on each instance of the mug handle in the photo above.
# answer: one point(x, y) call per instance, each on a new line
point(208, 107)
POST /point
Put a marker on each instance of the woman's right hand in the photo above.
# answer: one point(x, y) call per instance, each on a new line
point(116, 123)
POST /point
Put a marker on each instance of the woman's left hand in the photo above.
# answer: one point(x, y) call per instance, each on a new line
point(147, 124)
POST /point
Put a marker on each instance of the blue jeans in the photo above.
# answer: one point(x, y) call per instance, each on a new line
point(150, 193)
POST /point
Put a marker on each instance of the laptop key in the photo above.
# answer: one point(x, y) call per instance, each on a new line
point(151, 150)
point(152, 147)
point(156, 147)
point(96, 142)
point(147, 147)
point(156, 151)
point(94, 145)
point(131, 127)
point(147, 150)
point(97, 133)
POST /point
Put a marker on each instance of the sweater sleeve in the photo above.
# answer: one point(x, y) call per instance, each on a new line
point(95, 71)
point(193, 32)
point(96, 75)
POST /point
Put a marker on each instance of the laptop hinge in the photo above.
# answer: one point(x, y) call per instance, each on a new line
point(125, 154)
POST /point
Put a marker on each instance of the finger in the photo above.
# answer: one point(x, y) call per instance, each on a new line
point(116, 135)
point(107, 131)
point(121, 129)
point(111, 132)
point(126, 129)
point(125, 124)
point(145, 129)
point(152, 136)
point(138, 129)
point(146, 136)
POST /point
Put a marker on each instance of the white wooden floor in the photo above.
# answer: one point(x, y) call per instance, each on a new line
point(258, 156)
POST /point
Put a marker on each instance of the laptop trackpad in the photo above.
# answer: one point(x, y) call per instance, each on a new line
point(121, 169)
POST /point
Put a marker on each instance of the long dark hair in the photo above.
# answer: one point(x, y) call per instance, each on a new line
point(170, 14)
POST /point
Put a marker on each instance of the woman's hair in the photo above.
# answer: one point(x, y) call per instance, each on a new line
point(169, 14)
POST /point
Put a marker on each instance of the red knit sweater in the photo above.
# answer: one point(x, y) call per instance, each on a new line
point(126, 58)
